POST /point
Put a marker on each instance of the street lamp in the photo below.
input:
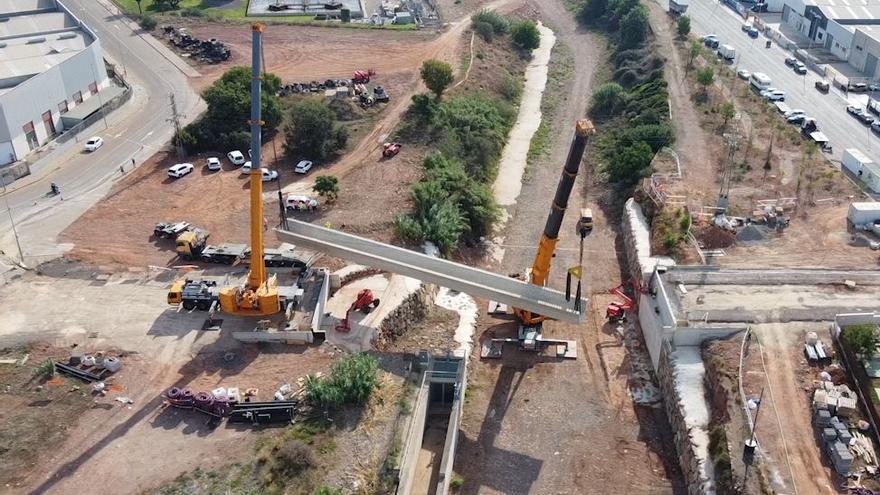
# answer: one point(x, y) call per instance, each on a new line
point(12, 222)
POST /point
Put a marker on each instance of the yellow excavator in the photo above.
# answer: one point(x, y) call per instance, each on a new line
point(258, 295)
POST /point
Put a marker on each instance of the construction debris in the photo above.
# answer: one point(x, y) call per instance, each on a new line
point(210, 51)
point(830, 403)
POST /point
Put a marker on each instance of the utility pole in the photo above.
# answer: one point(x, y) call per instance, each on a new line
point(12, 222)
point(175, 119)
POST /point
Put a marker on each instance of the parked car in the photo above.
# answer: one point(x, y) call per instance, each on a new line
point(711, 41)
point(857, 88)
point(796, 118)
point(790, 61)
point(866, 118)
point(775, 95)
point(753, 32)
point(179, 170)
point(745, 27)
point(94, 143)
point(300, 203)
point(236, 157)
point(874, 87)
point(800, 68)
point(214, 163)
point(822, 86)
point(854, 110)
point(246, 168)
point(764, 92)
point(743, 74)
point(796, 111)
point(876, 126)
point(269, 175)
point(303, 167)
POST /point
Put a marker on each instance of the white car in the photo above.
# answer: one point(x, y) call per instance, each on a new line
point(179, 170)
point(792, 113)
point(777, 95)
point(269, 175)
point(303, 167)
point(743, 74)
point(94, 143)
point(235, 157)
point(246, 168)
point(214, 163)
point(301, 203)
point(765, 92)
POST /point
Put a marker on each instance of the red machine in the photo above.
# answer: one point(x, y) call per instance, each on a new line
point(616, 311)
point(390, 149)
point(362, 76)
point(364, 303)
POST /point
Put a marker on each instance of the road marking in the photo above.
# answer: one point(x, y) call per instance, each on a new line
point(117, 135)
point(149, 134)
point(116, 26)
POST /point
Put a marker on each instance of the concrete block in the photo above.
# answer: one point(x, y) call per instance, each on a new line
point(822, 418)
point(828, 435)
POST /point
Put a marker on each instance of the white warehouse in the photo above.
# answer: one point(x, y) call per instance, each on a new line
point(50, 63)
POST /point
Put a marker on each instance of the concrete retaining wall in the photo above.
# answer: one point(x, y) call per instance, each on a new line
point(637, 240)
point(413, 439)
point(769, 276)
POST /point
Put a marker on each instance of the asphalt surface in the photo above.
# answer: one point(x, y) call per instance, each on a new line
point(843, 130)
point(135, 130)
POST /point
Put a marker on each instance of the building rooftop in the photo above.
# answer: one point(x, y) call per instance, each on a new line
point(36, 35)
point(863, 14)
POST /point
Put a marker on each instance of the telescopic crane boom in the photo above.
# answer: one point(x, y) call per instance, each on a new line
point(258, 296)
point(547, 246)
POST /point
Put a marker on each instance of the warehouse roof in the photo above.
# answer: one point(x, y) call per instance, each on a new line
point(34, 37)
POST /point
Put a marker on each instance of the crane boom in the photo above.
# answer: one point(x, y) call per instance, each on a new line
point(258, 296)
point(547, 245)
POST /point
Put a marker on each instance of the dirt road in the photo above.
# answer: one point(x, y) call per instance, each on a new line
point(785, 368)
point(547, 426)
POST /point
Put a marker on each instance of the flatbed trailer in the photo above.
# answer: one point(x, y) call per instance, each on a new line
point(167, 230)
point(224, 253)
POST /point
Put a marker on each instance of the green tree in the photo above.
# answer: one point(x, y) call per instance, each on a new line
point(437, 75)
point(619, 9)
point(705, 78)
point(630, 164)
point(683, 26)
point(326, 186)
point(351, 381)
point(727, 111)
point(166, 4)
point(592, 12)
point(607, 100)
point(312, 131)
point(499, 23)
point(634, 28)
point(485, 30)
point(862, 339)
point(693, 51)
point(525, 34)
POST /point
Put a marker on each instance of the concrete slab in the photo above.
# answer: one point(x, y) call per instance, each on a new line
point(441, 272)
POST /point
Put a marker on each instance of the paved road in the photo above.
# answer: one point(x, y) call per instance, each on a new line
point(136, 130)
point(844, 131)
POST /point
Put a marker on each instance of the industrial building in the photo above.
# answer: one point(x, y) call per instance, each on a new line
point(50, 63)
point(848, 30)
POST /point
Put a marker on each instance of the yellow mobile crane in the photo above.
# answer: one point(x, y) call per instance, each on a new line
point(529, 334)
point(258, 295)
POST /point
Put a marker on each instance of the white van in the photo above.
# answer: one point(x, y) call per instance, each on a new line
point(759, 81)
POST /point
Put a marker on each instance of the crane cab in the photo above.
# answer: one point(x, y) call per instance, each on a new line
point(585, 222)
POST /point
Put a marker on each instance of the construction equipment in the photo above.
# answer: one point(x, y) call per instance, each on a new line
point(193, 294)
point(529, 333)
point(168, 230)
point(390, 149)
point(365, 303)
point(616, 311)
point(258, 295)
point(381, 94)
point(362, 76)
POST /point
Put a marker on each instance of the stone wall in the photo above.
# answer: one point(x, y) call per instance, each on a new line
point(408, 314)
point(692, 466)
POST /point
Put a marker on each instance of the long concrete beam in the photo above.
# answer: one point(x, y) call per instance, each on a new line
point(444, 273)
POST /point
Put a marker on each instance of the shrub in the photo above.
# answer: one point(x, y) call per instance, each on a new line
point(510, 89)
point(327, 490)
point(185, 139)
point(148, 22)
point(192, 12)
point(592, 12)
point(862, 338)
point(437, 75)
point(351, 381)
point(607, 100)
point(683, 26)
point(456, 483)
point(292, 458)
point(499, 23)
point(326, 186)
point(525, 34)
point(634, 27)
point(485, 30)
point(312, 131)
point(630, 164)
point(46, 369)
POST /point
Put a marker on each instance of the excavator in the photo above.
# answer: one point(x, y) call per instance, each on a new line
point(530, 324)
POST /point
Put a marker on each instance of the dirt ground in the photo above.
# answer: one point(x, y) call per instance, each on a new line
point(535, 425)
point(166, 349)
